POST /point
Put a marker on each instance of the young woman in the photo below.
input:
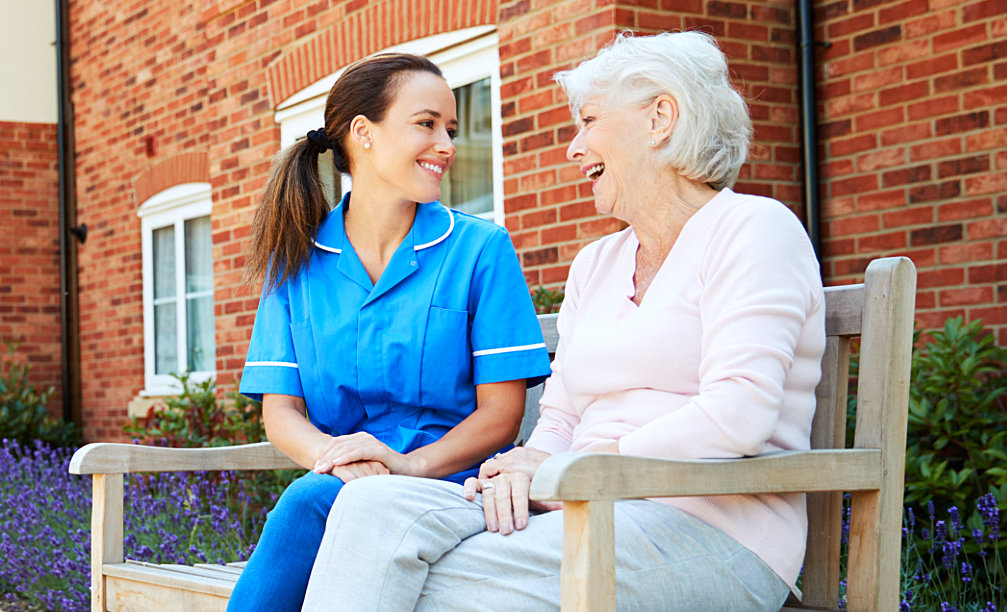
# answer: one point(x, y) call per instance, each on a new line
point(393, 334)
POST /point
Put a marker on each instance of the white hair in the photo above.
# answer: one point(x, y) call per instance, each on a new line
point(710, 140)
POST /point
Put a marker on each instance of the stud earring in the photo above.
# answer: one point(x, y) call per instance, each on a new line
point(652, 143)
point(367, 145)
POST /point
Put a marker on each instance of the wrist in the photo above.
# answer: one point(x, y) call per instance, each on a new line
point(415, 464)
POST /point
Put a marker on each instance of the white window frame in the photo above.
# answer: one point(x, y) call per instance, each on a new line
point(464, 56)
point(173, 206)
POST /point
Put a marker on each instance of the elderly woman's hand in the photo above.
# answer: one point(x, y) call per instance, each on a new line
point(504, 482)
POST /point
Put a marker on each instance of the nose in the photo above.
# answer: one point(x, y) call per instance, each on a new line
point(445, 146)
point(576, 148)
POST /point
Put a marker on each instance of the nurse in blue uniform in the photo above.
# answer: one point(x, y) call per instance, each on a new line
point(393, 335)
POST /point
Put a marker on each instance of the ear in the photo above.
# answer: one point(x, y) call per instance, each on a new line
point(360, 130)
point(663, 117)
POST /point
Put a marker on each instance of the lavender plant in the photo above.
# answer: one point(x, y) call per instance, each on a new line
point(168, 518)
point(950, 567)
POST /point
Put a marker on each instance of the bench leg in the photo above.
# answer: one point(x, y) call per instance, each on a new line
point(106, 533)
point(588, 570)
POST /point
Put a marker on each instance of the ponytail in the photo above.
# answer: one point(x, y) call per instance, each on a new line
point(293, 205)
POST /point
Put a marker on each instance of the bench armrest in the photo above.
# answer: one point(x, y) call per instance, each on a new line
point(110, 458)
point(606, 476)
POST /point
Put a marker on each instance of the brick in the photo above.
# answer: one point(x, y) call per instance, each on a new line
point(917, 215)
point(934, 192)
point(853, 226)
point(984, 97)
point(986, 184)
point(936, 235)
point(935, 149)
point(968, 296)
point(877, 79)
point(856, 144)
point(933, 107)
point(903, 92)
point(958, 38)
point(940, 277)
point(930, 24)
point(968, 209)
point(881, 200)
point(913, 132)
point(964, 165)
point(983, 10)
point(855, 185)
point(985, 140)
point(984, 53)
point(885, 158)
point(988, 228)
point(962, 123)
point(989, 273)
point(961, 80)
point(903, 176)
point(876, 38)
point(932, 66)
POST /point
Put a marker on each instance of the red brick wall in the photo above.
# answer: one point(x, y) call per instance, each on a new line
point(550, 210)
point(914, 139)
point(912, 127)
point(29, 252)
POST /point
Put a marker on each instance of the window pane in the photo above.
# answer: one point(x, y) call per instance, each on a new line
point(198, 255)
point(469, 184)
point(165, 339)
point(164, 262)
point(199, 323)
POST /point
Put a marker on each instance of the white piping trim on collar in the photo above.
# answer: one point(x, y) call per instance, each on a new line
point(329, 249)
point(446, 234)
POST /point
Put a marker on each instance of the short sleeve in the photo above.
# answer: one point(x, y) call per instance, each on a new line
point(506, 337)
point(271, 366)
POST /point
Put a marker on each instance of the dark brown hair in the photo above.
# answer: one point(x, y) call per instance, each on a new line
point(293, 203)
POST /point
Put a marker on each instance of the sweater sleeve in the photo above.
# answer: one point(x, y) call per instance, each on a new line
point(760, 280)
point(558, 416)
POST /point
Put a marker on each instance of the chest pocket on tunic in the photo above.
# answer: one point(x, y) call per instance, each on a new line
point(446, 367)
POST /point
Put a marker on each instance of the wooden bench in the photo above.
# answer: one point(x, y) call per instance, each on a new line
point(880, 311)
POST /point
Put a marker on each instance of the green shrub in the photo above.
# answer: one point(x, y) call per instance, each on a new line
point(23, 413)
point(196, 418)
point(956, 446)
point(547, 301)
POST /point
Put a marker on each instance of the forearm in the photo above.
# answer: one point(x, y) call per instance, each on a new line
point(493, 425)
point(289, 430)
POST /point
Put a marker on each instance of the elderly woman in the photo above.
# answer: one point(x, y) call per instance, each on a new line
point(697, 332)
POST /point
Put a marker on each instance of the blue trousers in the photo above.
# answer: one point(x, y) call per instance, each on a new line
point(277, 573)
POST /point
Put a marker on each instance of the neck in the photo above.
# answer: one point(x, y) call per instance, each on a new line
point(376, 227)
point(666, 207)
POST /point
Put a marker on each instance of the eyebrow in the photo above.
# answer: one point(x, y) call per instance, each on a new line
point(434, 113)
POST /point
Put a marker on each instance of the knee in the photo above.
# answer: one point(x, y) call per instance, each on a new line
point(310, 496)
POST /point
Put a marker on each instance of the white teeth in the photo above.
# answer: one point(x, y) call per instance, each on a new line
point(436, 169)
point(595, 171)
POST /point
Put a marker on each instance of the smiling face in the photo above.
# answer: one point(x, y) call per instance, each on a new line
point(608, 148)
point(411, 148)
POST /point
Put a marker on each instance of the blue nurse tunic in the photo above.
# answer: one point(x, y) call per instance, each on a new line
point(399, 358)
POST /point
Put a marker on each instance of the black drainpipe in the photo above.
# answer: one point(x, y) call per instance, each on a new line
point(809, 136)
point(69, 234)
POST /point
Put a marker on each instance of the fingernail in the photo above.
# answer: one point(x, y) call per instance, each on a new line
point(491, 525)
point(520, 523)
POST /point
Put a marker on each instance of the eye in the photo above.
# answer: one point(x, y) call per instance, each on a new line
point(587, 120)
point(452, 134)
point(427, 123)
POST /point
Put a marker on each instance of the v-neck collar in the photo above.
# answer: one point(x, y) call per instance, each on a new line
point(432, 225)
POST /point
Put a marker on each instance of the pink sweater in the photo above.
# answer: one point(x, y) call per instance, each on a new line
point(721, 359)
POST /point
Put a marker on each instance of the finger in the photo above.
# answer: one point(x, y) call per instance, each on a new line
point(489, 505)
point(470, 488)
point(519, 497)
point(502, 497)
